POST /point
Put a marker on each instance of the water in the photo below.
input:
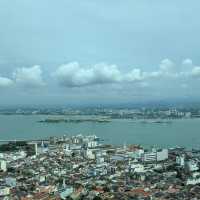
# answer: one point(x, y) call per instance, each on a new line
point(185, 132)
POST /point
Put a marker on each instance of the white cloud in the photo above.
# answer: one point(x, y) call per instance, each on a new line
point(5, 82)
point(169, 69)
point(73, 75)
point(196, 71)
point(155, 74)
point(135, 75)
point(187, 62)
point(167, 66)
point(104, 73)
point(29, 77)
point(190, 70)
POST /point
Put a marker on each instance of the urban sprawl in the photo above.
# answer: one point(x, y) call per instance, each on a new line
point(83, 167)
point(112, 113)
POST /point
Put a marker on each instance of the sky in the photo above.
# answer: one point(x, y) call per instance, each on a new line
point(98, 52)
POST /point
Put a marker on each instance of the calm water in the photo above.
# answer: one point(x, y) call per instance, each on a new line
point(180, 132)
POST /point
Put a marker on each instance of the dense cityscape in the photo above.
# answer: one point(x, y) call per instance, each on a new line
point(83, 167)
point(113, 113)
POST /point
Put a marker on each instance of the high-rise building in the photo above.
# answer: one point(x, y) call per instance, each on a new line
point(3, 165)
point(155, 155)
point(162, 155)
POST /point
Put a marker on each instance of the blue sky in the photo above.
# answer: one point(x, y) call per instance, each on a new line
point(63, 52)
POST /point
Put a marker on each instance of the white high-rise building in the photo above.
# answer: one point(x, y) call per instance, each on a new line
point(89, 154)
point(155, 155)
point(3, 165)
point(92, 144)
point(162, 155)
point(180, 160)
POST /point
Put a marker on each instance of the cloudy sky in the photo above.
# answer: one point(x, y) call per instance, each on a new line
point(82, 52)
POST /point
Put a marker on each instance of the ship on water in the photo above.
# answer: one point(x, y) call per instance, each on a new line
point(159, 121)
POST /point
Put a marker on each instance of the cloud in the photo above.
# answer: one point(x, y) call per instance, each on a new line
point(103, 73)
point(167, 66)
point(190, 70)
point(105, 81)
point(5, 82)
point(134, 75)
point(187, 62)
point(74, 75)
point(167, 69)
point(196, 72)
point(29, 77)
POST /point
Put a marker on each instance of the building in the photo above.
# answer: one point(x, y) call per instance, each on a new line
point(138, 168)
point(11, 182)
point(150, 156)
point(4, 191)
point(3, 165)
point(67, 149)
point(138, 153)
point(92, 144)
point(155, 155)
point(162, 155)
point(100, 160)
point(180, 160)
point(88, 153)
point(191, 166)
point(192, 181)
